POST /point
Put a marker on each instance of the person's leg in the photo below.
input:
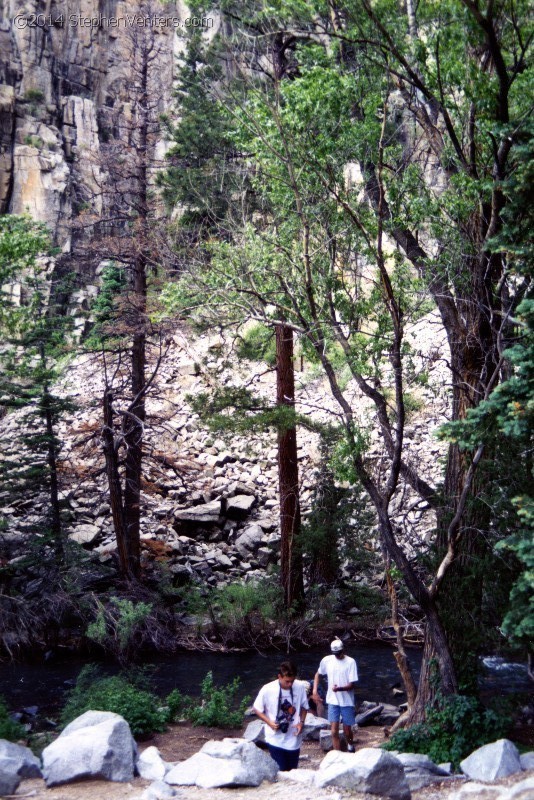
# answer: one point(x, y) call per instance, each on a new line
point(333, 719)
point(286, 759)
point(349, 717)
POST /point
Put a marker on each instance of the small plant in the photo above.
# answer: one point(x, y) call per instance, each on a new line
point(34, 95)
point(454, 727)
point(9, 729)
point(118, 624)
point(140, 708)
point(216, 707)
point(34, 141)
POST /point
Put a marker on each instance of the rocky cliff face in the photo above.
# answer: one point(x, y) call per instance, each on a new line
point(66, 77)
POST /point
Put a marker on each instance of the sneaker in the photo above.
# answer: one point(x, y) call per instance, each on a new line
point(350, 748)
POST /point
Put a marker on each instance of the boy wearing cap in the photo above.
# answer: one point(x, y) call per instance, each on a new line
point(341, 673)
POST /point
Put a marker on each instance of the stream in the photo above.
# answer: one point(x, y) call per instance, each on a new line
point(45, 685)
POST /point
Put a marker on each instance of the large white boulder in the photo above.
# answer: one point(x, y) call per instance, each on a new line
point(98, 744)
point(492, 761)
point(232, 762)
point(18, 760)
point(370, 770)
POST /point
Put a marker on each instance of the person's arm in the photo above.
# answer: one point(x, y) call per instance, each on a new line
point(265, 718)
point(315, 695)
point(347, 688)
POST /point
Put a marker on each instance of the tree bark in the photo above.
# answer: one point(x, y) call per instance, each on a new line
point(288, 479)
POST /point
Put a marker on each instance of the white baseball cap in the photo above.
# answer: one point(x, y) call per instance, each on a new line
point(336, 646)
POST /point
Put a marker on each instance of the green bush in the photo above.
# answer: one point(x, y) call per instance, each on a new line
point(9, 729)
point(216, 707)
point(454, 727)
point(140, 708)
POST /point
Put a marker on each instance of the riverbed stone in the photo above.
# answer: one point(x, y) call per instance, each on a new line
point(492, 761)
point(255, 731)
point(313, 727)
point(206, 512)
point(527, 760)
point(150, 765)
point(367, 715)
point(9, 782)
point(232, 762)
point(249, 540)
point(18, 760)
point(240, 506)
point(159, 790)
point(98, 744)
point(370, 770)
point(420, 770)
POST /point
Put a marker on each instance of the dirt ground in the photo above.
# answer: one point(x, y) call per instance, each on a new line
point(181, 741)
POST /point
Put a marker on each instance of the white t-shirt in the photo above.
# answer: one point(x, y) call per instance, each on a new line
point(272, 700)
point(339, 672)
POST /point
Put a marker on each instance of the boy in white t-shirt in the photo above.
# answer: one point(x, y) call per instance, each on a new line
point(341, 673)
point(283, 705)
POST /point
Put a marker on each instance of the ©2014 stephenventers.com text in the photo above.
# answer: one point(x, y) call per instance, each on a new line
point(57, 20)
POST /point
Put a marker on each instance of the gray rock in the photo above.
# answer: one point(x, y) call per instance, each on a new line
point(85, 534)
point(389, 715)
point(206, 512)
point(249, 540)
point(9, 782)
point(527, 760)
point(98, 744)
point(492, 761)
point(159, 791)
point(232, 762)
point(15, 759)
point(239, 507)
point(370, 770)
point(325, 738)
point(368, 715)
point(150, 765)
point(420, 770)
point(313, 727)
point(255, 731)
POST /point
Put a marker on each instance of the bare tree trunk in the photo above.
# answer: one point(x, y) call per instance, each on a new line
point(400, 655)
point(290, 557)
point(114, 484)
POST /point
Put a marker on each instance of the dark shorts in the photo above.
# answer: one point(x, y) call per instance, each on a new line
point(286, 759)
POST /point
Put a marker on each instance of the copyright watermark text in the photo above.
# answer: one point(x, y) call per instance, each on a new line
point(56, 20)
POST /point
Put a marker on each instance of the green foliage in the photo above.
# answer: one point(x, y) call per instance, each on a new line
point(118, 625)
point(218, 706)
point(454, 727)
point(258, 344)
point(140, 708)
point(104, 308)
point(9, 729)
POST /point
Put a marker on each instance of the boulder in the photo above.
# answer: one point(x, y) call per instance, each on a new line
point(206, 512)
point(325, 737)
point(85, 534)
point(239, 507)
point(368, 715)
point(159, 791)
point(306, 776)
point(255, 731)
point(476, 791)
point(313, 727)
point(9, 782)
point(527, 760)
point(98, 744)
point(389, 715)
point(524, 790)
point(420, 770)
point(232, 762)
point(15, 759)
point(150, 765)
point(370, 770)
point(249, 540)
point(492, 761)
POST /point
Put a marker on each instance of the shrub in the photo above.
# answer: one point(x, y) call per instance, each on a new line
point(215, 708)
point(9, 729)
point(454, 727)
point(118, 626)
point(140, 708)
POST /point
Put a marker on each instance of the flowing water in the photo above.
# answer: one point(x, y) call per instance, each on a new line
point(45, 685)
